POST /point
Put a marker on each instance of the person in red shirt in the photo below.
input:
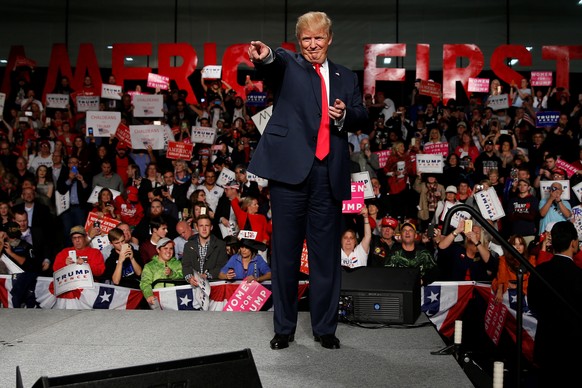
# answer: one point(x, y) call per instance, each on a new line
point(127, 205)
point(84, 254)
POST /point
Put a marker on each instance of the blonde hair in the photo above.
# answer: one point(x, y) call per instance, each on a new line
point(314, 21)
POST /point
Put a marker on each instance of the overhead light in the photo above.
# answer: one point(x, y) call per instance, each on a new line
point(580, 2)
point(529, 48)
point(129, 59)
point(109, 47)
point(3, 61)
point(513, 62)
point(387, 61)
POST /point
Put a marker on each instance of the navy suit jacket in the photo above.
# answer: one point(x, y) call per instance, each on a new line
point(286, 150)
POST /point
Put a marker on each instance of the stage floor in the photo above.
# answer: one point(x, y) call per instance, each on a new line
point(63, 342)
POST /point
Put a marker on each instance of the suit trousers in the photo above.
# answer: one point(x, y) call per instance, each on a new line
point(306, 211)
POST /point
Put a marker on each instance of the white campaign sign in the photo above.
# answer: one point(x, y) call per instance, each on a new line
point(578, 191)
point(112, 92)
point(262, 118)
point(204, 135)
point(429, 163)
point(104, 123)
point(72, 277)
point(545, 189)
point(143, 136)
point(87, 103)
point(148, 105)
point(364, 177)
point(248, 234)
point(212, 72)
point(262, 182)
point(225, 176)
point(498, 102)
point(489, 204)
point(57, 101)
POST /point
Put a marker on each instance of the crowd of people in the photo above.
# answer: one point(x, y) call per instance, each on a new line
point(174, 220)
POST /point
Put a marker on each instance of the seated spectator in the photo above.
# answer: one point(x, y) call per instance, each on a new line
point(6, 214)
point(352, 253)
point(128, 207)
point(204, 253)
point(106, 250)
point(508, 268)
point(105, 206)
point(384, 245)
point(162, 266)
point(185, 231)
point(123, 267)
point(247, 265)
point(248, 218)
point(413, 254)
point(84, 254)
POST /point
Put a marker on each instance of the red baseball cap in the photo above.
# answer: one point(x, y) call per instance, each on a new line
point(132, 194)
point(391, 222)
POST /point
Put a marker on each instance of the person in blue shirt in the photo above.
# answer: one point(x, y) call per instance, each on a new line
point(247, 264)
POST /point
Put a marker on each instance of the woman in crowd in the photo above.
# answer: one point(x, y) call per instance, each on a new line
point(248, 218)
point(105, 206)
point(467, 147)
point(247, 265)
point(181, 173)
point(151, 180)
point(83, 153)
point(6, 215)
point(133, 175)
point(164, 265)
point(470, 260)
point(44, 182)
point(508, 268)
point(352, 253)
point(123, 266)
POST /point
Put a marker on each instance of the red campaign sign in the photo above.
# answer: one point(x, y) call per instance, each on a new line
point(158, 81)
point(478, 85)
point(437, 148)
point(541, 78)
point(179, 150)
point(495, 319)
point(105, 223)
point(123, 135)
point(430, 88)
point(383, 157)
point(248, 297)
point(304, 259)
point(570, 170)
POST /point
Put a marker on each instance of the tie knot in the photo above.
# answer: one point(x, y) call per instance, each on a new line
point(317, 67)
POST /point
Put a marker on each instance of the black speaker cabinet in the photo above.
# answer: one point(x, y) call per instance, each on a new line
point(380, 295)
point(234, 369)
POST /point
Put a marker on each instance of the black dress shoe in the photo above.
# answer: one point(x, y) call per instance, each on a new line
point(281, 341)
point(328, 341)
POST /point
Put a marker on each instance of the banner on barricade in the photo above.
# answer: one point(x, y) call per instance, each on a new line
point(248, 297)
point(72, 277)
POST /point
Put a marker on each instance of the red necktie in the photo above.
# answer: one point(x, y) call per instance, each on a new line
point(323, 135)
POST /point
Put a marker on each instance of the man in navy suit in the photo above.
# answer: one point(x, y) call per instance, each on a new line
point(304, 154)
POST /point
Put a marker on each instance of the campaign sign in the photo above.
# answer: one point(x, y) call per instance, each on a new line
point(148, 105)
point(248, 297)
point(247, 234)
point(123, 135)
point(143, 136)
point(204, 135)
point(212, 72)
point(256, 99)
point(570, 170)
point(87, 103)
point(441, 148)
point(489, 204)
point(112, 92)
point(3, 101)
point(94, 197)
point(541, 78)
point(104, 123)
point(225, 176)
point(57, 101)
point(262, 182)
point(157, 81)
point(545, 189)
point(430, 88)
point(383, 157)
point(62, 202)
point(364, 177)
point(495, 319)
point(72, 277)
point(429, 163)
point(356, 203)
point(478, 85)
point(304, 268)
point(105, 223)
point(133, 93)
point(577, 220)
point(498, 102)
point(262, 118)
point(547, 119)
point(578, 191)
point(179, 150)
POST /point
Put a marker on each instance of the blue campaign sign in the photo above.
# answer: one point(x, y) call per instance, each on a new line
point(256, 99)
point(547, 119)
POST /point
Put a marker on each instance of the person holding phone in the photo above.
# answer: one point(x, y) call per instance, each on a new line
point(123, 266)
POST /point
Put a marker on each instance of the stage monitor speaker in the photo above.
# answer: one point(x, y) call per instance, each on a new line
point(380, 295)
point(234, 369)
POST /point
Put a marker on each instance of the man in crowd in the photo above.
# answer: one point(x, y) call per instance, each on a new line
point(185, 231)
point(383, 246)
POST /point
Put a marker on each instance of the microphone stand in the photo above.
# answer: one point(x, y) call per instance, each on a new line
point(519, 324)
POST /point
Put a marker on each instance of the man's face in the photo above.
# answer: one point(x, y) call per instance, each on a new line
point(523, 187)
point(162, 231)
point(204, 228)
point(184, 230)
point(126, 231)
point(4, 148)
point(28, 195)
point(314, 44)
point(550, 163)
point(241, 175)
point(210, 177)
point(106, 168)
point(57, 158)
point(22, 221)
point(156, 209)
point(79, 241)
point(168, 179)
point(408, 234)
point(387, 232)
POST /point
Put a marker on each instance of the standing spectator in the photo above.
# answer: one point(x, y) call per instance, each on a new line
point(108, 178)
point(148, 247)
point(431, 192)
point(162, 266)
point(366, 159)
point(509, 267)
point(553, 208)
point(523, 212)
